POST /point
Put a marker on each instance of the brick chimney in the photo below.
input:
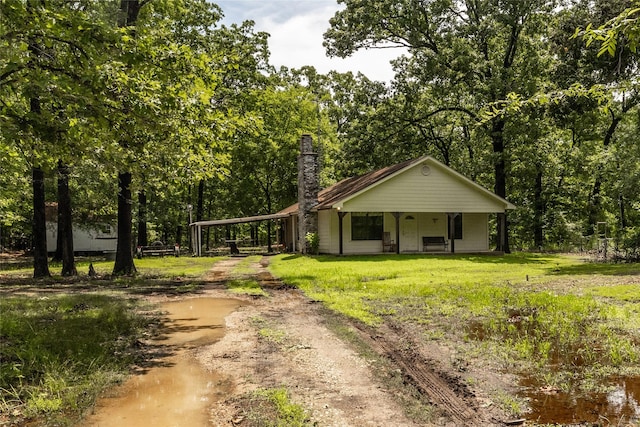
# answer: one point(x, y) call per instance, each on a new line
point(308, 187)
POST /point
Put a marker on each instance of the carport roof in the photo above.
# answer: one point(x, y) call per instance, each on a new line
point(241, 220)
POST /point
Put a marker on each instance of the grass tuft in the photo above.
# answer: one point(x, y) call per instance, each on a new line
point(517, 308)
point(272, 407)
point(58, 351)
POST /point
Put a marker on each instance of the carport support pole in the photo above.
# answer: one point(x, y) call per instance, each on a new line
point(396, 215)
point(199, 240)
point(340, 217)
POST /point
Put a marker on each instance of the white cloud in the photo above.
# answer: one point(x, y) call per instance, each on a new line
point(297, 28)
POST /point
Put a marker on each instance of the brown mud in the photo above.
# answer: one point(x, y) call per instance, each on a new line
point(618, 407)
point(325, 375)
point(175, 390)
point(285, 340)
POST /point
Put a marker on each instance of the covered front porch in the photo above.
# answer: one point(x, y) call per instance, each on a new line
point(402, 232)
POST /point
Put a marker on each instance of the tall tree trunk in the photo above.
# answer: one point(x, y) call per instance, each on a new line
point(208, 238)
point(200, 207)
point(500, 188)
point(40, 261)
point(269, 207)
point(623, 219)
point(124, 265)
point(538, 205)
point(595, 198)
point(39, 225)
point(179, 234)
point(124, 253)
point(142, 219)
point(65, 222)
point(200, 203)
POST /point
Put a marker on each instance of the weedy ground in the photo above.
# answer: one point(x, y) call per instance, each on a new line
point(570, 323)
point(63, 341)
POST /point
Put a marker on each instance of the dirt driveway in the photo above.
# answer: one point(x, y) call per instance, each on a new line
point(286, 340)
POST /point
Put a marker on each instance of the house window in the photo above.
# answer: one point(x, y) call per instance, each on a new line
point(457, 227)
point(366, 226)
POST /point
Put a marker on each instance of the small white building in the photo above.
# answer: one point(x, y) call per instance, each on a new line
point(420, 205)
point(96, 238)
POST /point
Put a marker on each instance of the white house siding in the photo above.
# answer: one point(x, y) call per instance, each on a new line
point(432, 224)
point(413, 191)
point(328, 231)
point(475, 233)
point(291, 233)
point(85, 239)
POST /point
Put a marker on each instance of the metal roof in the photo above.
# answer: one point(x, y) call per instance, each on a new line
point(242, 220)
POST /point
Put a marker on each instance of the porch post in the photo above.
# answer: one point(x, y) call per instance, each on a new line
point(396, 215)
point(451, 218)
point(341, 215)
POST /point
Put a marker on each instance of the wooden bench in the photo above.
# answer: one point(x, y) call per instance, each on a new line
point(157, 249)
point(434, 241)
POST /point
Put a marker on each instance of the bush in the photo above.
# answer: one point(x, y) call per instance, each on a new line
point(313, 241)
point(630, 244)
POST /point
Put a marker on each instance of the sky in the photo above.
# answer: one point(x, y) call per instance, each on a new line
point(297, 27)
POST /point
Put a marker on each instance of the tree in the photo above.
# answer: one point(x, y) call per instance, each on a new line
point(476, 51)
point(43, 85)
point(616, 70)
point(164, 79)
point(617, 34)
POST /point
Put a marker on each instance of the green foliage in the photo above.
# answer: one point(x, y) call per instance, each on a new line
point(274, 409)
point(313, 240)
point(631, 244)
point(246, 287)
point(179, 101)
point(625, 27)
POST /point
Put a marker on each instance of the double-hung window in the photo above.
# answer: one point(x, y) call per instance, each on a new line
point(366, 225)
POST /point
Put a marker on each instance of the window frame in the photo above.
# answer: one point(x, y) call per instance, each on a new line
point(367, 226)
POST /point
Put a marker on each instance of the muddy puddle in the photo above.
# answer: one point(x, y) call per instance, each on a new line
point(621, 405)
point(175, 390)
point(549, 405)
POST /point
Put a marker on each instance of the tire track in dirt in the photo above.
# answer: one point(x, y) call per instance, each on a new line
point(321, 372)
point(446, 392)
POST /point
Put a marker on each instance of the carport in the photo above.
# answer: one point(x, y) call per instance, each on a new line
point(196, 227)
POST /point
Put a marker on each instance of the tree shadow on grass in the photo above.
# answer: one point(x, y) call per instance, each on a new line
point(485, 258)
point(602, 269)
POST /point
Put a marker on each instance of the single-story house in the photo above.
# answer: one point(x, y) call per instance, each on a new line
point(420, 205)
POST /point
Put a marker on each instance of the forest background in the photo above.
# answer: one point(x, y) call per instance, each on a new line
point(129, 111)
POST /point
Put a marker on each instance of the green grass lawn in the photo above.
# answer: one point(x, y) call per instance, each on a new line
point(150, 267)
point(550, 315)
